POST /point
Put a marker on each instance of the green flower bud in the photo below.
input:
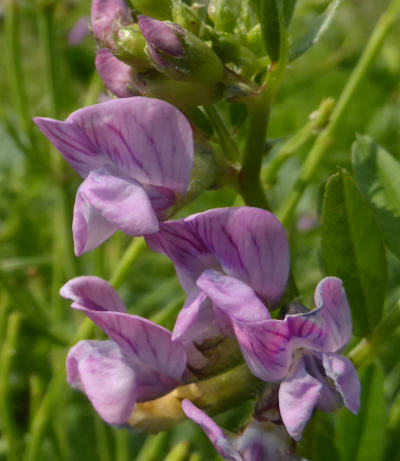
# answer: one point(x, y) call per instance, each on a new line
point(130, 45)
point(180, 94)
point(224, 14)
point(179, 54)
point(159, 9)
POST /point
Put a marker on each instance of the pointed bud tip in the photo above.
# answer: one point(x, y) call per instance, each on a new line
point(161, 35)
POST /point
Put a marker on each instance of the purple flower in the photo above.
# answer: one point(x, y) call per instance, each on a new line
point(136, 157)
point(247, 244)
point(139, 363)
point(301, 350)
point(259, 441)
point(103, 15)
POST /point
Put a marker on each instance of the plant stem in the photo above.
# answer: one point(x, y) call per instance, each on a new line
point(179, 452)
point(153, 447)
point(124, 266)
point(249, 177)
point(9, 425)
point(45, 15)
point(367, 349)
point(323, 140)
point(122, 445)
point(16, 75)
point(259, 108)
point(316, 122)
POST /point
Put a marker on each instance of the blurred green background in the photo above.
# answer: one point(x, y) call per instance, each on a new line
point(41, 418)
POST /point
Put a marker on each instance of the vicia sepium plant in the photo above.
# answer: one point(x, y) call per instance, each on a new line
point(184, 78)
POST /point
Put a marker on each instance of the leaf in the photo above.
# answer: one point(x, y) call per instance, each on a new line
point(272, 21)
point(362, 437)
point(352, 250)
point(288, 10)
point(315, 32)
point(377, 175)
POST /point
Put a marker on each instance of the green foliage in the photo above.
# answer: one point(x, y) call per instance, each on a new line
point(362, 437)
point(315, 32)
point(352, 250)
point(377, 175)
point(272, 21)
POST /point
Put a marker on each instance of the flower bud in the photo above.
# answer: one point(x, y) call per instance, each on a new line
point(223, 14)
point(179, 54)
point(181, 94)
point(159, 9)
point(130, 45)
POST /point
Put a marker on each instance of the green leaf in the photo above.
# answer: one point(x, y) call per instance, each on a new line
point(272, 21)
point(315, 32)
point(377, 175)
point(288, 10)
point(362, 437)
point(352, 250)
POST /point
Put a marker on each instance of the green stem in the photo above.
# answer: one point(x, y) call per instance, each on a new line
point(367, 349)
point(179, 452)
point(102, 442)
point(259, 108)
point(228, 146)
point(15, 73)
point(153, 447)
point(249, 177)
point(45, 16)
point(122, 445)
point(316, 122)
point(9, 425)
point(323, 140)
point(125, 264)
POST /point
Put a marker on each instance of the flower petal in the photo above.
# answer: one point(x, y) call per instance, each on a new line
point(233, 296)
point(106, 378)
point(194, 325)
point(298, 395)
point(265, 347)
point(212, 430)
point(148, 345)
point(328, 327)
point(89, 292)
point(103, 14)
point(344, 375)
point(161, 35)
point(144, 138)
point(106, 202)
point(248, 243)
point(116, 75)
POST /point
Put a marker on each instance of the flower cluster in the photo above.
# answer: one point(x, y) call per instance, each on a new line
point(135, 155)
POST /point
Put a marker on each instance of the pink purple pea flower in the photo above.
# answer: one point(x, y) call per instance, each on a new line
point(140, 362)
point(247, 244)
point(302, 351)
point(258, 442)
point(234, 265)
point(135, 155)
